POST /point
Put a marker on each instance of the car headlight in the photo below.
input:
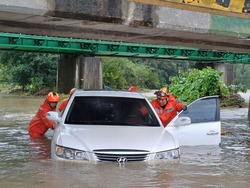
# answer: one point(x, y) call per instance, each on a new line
point(69, 153)
point(170, 154)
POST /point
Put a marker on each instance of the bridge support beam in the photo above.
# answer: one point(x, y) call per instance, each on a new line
point(79, 72)
point(227, 70)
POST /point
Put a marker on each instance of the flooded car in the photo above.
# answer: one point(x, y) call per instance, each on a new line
point(26, 163)
point(117, 126)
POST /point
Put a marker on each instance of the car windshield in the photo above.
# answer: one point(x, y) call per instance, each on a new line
point(111, 111)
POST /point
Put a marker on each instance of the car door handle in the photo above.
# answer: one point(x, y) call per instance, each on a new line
point(212, 132)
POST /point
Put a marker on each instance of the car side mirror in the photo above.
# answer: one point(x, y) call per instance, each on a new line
point(53, 116)
point(182, 121)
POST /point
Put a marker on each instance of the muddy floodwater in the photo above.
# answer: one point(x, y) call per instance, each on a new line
point(26, 162)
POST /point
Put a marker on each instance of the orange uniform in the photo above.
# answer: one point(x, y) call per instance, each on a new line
point(39, 123)
point(171, 98)
point(65, 101)
point(169, 111)
point(63, 104)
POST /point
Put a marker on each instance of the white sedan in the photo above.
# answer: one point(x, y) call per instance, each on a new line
point(118, 126)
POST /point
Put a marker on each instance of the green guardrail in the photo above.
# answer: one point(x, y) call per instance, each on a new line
point(46, 44)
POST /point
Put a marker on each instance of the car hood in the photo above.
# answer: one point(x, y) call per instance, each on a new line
point(89, 138)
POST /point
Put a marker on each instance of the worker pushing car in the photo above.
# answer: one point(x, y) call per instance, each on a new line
point(65, 101)
point(39, 124)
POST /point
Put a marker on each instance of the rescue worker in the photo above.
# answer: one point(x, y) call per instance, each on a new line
point(166, 106)
point(132, 89)
point(65, 101)
point(164, 89)
point(39, 124)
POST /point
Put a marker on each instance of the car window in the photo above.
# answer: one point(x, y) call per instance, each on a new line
point(111, 111)
point(204, 110)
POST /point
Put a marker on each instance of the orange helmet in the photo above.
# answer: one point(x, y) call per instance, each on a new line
point(72, 91)
point(132, 89)
point(53, 97)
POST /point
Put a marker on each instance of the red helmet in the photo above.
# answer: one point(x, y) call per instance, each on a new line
point(132, 89)
point(53, 97)
point(72, 91)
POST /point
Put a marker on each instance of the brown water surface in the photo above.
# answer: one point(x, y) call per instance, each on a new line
point(26, 162)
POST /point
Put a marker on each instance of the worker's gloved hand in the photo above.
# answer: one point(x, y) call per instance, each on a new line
point(184, 108)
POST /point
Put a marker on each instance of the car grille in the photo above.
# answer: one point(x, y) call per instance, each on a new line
point(121, 155)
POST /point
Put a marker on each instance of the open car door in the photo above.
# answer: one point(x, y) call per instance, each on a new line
point(205, 125)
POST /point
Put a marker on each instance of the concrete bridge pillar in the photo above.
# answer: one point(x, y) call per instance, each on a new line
point(80, 72)
point(227, 70)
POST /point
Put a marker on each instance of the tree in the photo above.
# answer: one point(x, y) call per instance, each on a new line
point(21, 75)
point(122, 73)
point(31, 71)
point(113, 76)
point(242, 74)
point(164, 68)
point(193, 84)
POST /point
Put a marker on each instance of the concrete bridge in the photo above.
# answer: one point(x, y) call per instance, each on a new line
point(166, 22)
point(203, 24)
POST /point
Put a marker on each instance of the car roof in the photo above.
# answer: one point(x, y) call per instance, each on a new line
point(108, 93)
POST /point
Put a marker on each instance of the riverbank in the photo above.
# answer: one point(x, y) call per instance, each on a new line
point(149, 94)
point(245, 96)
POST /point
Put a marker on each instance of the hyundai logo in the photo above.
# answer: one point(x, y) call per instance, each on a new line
point(122, 160)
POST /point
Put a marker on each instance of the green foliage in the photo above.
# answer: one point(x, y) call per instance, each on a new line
point(234, 89)
point(20, 75)
point(242, 74)
point(193, 84)
point(32, 71)
point(39, 70)
point(113, 75)
point(164, 69)
point(36, 84)
point(122, 73)
point(2, 78)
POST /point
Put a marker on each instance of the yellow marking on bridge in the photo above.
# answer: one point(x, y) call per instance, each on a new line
point(206, 6)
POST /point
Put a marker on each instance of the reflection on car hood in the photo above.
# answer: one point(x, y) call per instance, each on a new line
point(90, 138)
